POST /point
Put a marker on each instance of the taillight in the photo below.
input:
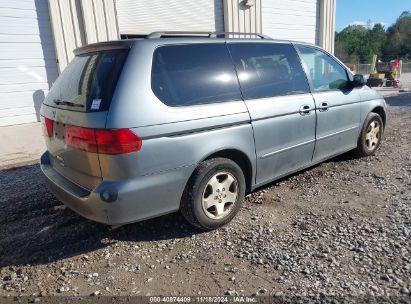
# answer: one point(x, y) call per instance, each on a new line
point(81, 138)
point(102, 141)
point(118, 141)
point(48, 123)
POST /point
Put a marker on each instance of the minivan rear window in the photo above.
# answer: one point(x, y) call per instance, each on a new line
point(192, 74)
point(87, 84)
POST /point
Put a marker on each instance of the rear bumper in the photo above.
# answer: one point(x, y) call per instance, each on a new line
point(137, 199)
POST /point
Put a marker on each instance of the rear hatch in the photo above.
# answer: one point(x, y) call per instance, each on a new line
point(75, 110)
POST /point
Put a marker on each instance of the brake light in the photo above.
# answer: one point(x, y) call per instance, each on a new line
point(48, 123)
point(103, 141)
point(118, 141)
point(81, 138)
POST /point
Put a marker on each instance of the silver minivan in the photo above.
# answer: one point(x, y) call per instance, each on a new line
point(192, 122)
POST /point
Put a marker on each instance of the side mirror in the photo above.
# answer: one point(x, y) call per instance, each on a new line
point(358, 81)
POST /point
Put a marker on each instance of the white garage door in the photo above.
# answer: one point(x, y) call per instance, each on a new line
point(27, 59)
point(143, 17)
point(291, 19)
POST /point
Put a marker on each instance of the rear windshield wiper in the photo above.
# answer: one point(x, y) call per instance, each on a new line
point(67, 103)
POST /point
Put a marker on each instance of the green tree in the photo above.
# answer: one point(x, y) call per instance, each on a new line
point(377, 39)
point(357, 43)
point(399, 38)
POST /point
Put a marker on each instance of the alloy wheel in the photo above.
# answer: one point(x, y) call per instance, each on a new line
point(373, 135)
point(220, 195)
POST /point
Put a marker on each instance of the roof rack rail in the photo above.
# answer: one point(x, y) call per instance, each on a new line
point(154, 35)
point(224, 34)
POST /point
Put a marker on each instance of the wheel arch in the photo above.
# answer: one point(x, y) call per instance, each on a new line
point(380, 111)
point(241, 159)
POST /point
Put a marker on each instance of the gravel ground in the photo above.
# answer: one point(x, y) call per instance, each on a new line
point(340, 228)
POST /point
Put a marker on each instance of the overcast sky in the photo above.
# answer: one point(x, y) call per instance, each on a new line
point(377, 11)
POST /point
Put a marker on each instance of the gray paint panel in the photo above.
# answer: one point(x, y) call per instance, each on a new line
point(337, 127)
point(284, 138)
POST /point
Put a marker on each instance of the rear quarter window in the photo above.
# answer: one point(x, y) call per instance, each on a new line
point(184, 75)
point(88, 83)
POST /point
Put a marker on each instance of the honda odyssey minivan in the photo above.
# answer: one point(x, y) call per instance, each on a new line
point(192, 122)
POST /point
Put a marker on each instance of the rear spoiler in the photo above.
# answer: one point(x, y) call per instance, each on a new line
point(102, 46)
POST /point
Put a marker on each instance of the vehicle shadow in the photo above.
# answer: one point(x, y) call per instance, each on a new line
point(77, 236)
point(35, 228)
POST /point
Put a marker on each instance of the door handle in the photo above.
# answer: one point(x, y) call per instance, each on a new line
point(323, 107)
point(305, 110)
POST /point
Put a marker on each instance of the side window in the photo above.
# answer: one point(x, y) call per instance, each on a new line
point(326, 74)
point(184, 75)
point(268, 69)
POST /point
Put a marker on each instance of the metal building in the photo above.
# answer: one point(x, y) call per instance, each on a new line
point(37, 37)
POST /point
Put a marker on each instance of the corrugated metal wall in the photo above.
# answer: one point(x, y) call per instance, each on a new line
point(327, 25)
point(28, 62)
point(144, 17)
point(100, 20)
point(238, 17)
point(79, 22)
point(291, 20)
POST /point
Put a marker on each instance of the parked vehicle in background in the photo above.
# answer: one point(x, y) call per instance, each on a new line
point(386, 75)
point(139, 128)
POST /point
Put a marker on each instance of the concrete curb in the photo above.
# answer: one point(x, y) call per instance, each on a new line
point(388, 92)
point(24, 144)
point(20, 164)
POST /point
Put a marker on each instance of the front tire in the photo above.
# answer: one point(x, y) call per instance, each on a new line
point(371, 135)
point(214, 194)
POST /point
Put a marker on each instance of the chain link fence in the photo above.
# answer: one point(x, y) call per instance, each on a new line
point(365, 68)
point(406, 67)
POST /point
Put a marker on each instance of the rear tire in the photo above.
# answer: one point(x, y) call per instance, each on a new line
point(371, 135)
point(214, 194)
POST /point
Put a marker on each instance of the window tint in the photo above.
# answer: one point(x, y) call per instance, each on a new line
point(326, 73)
point(192, 74)
point(268, 69)
point(88, 82)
